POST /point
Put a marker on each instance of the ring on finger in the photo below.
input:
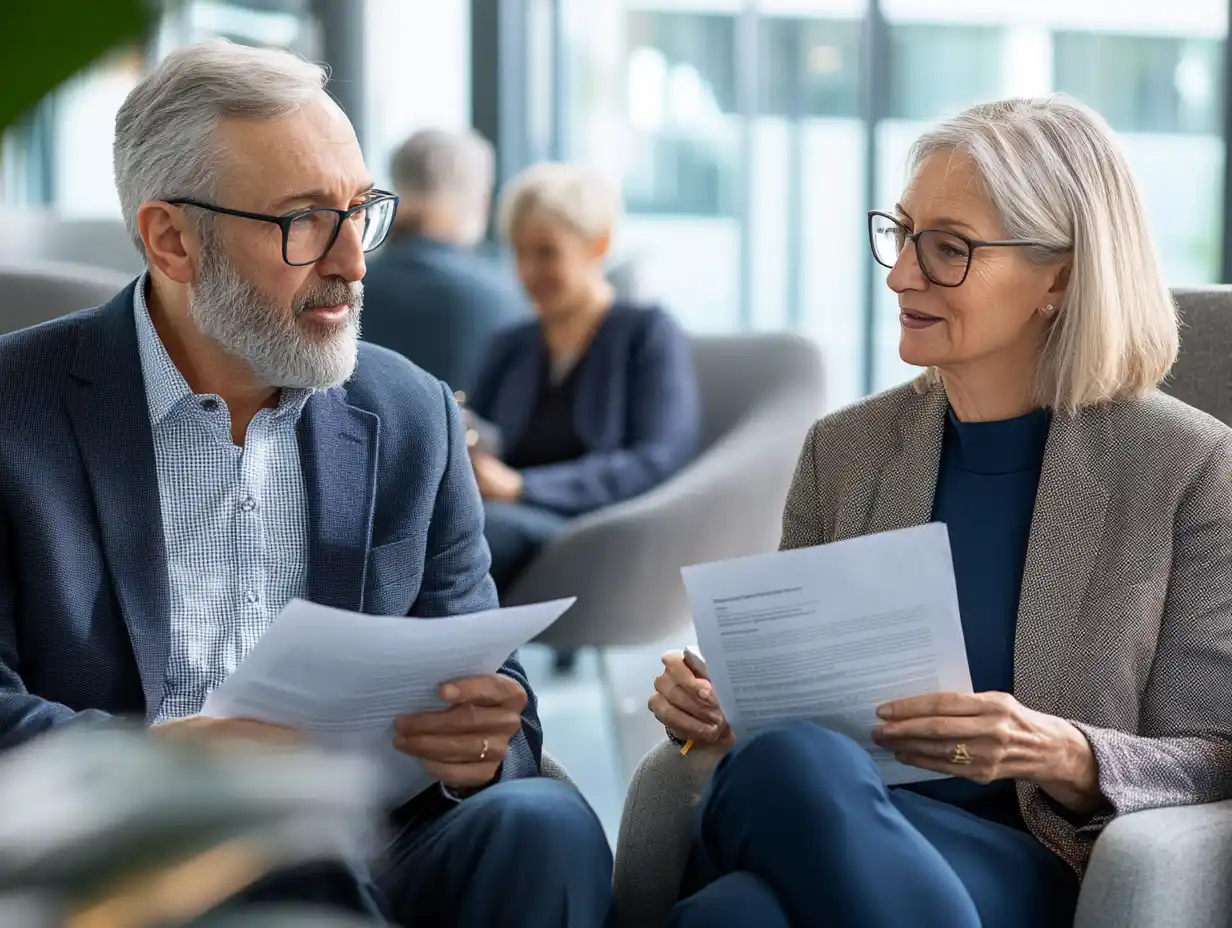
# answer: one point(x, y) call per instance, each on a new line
point(483, 751)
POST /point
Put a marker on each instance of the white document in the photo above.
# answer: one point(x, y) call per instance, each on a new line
point(342, 678)
point(830, 633)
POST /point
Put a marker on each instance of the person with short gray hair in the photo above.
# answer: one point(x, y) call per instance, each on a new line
point(1090, 532)
point(429, 297)
point(596, 398)
point(216, 442)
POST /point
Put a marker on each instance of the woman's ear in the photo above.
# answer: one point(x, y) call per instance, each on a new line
point(601, 245)
point(1060, 281)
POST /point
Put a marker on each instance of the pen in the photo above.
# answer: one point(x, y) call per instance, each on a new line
point(696, 663)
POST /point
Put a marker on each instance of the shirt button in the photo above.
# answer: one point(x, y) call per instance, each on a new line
point(252, 597)
point(209, 405)
point(248, 504)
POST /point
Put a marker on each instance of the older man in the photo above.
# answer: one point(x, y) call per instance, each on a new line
point(428, 297)
point(181, 462)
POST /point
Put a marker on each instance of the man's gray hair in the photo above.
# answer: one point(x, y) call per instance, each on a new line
point(164, 141)
point(436, 165)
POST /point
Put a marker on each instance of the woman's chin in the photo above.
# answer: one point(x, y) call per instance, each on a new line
point(916, 351)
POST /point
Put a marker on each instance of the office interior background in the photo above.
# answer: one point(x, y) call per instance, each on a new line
point(750, 138)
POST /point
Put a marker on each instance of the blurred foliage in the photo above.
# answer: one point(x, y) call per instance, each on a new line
point(48, 41)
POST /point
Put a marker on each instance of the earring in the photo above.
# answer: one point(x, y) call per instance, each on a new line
point(1049, 309)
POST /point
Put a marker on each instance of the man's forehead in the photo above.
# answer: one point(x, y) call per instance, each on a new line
point(312, 150)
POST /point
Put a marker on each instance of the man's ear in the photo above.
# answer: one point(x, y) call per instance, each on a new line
point(171, 245)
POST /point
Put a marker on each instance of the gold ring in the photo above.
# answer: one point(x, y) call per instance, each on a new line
point(483, 751)
point(961, 755)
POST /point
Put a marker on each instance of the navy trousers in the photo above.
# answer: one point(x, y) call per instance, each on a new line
point(798, 830)
point(520, 854)
point(516, 533)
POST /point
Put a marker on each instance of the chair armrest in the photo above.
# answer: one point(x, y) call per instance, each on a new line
point(655, 832)
point(1164, 868)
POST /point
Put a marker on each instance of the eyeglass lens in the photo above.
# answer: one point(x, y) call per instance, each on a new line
point(943, 257)
point(310, 235)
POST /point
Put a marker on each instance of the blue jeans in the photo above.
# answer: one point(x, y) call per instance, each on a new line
point(799, 830)
point(521, 854)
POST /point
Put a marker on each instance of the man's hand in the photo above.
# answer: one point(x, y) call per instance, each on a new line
point(992, 736)
point(204, 728)
point(464, 745)
point(497, 481)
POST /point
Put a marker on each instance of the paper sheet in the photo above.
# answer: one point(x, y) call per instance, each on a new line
point(342, 678)
point(830, 633)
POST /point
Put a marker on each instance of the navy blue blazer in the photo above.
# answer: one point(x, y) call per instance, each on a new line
point(637, 407)
point(395, 520)
point(438, 306)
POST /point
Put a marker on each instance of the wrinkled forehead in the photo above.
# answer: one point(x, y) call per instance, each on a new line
point(309, 157)
point(946, 189)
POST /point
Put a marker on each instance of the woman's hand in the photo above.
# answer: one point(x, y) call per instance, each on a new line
point(686, 704)
point(497, 481)
point(1000, 738)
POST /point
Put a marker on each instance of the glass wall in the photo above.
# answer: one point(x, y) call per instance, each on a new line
point(417, 74)
point(742, 132)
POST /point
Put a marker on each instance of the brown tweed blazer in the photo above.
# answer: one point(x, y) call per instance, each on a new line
point(1125, 616)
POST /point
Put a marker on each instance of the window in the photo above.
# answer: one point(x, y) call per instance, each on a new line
point(809, 67)
point(938, 70)
point(682, 97)
point(1143, 83)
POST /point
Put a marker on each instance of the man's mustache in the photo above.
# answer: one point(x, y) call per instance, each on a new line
point(329, 294)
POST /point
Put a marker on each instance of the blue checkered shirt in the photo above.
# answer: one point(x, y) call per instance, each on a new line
point(235, 521)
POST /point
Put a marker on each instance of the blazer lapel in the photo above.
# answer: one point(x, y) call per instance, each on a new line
point(338, 450)
point(1066, 529)
point(908, 480)
point(110, 419)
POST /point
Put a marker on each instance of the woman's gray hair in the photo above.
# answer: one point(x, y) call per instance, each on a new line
point(164, 140)
point(579, 198)
point(1055, 172)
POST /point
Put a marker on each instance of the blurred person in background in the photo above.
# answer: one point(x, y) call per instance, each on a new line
point(427, 296)
point(595, 400)
point(1091, 537)
point(215, 442)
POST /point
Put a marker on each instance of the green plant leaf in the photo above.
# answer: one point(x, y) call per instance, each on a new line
point(46, 42)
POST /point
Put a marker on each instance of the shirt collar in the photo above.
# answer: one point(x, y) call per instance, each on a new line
point(165, 386)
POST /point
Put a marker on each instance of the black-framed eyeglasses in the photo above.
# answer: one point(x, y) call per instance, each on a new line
point(944, 257)
point(309, 234)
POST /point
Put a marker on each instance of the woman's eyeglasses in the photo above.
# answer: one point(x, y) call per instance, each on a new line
point(944, 257)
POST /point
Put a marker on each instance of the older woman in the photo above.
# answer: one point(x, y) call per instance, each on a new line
point(1090, 519)
point(596, 399)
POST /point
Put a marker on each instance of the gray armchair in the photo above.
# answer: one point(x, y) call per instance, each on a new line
point(38, 292)
point(760, 394)
point(38, 234)
point(1166, 868)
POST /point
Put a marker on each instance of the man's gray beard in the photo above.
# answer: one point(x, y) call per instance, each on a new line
point(292, 352)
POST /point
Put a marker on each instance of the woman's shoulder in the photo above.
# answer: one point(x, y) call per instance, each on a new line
point(874, 421)
point(1167, 432)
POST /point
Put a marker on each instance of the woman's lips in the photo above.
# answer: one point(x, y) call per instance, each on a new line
point(911, 319)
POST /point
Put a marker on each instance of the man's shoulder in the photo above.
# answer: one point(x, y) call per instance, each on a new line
point(387, 384)
point(449, 273)
point(38, 360)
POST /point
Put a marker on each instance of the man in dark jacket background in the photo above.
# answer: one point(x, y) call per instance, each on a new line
point(427, 295)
